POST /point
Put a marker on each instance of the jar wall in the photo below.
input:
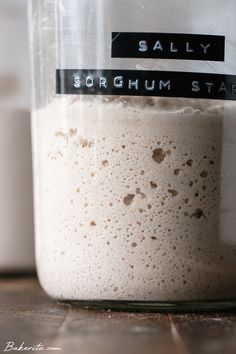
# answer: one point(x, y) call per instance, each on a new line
point(134, 195)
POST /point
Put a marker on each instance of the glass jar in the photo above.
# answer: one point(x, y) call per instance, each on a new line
point(16, 202)
point(134, 152)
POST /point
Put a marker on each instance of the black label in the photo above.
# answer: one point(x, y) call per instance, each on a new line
point(146, 83)
point(168, 46)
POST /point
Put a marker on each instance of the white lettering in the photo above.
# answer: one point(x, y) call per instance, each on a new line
point(143, 47)
point(223, 87)
point(164, 84)
point(89, 81)
point(9, 347)
point(209, 86)
point(77, 82)
point(21, 347)
point(158, 46)
point(188, 48)
point(150, 87)
point(172, 48)
point(103, 82)
point(134, 83)
point(233, 89)
point(195, 86)
point(119, 82)
point(205, 47)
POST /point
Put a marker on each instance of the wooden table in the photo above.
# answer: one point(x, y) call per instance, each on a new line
point(28, 315)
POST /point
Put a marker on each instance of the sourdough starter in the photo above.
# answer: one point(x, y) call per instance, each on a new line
point(127, 199)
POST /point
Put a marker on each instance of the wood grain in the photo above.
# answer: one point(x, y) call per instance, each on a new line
point(213, 333)
point(28, 315)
